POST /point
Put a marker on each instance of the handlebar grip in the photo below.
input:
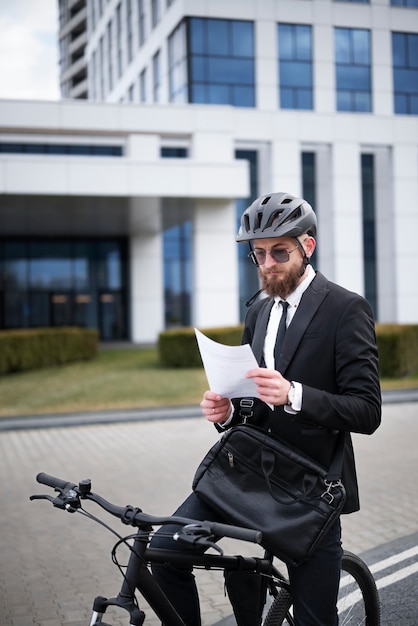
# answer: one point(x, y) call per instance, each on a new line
point(245, 534)
point(52, 481)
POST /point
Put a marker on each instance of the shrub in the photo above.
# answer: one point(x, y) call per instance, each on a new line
point(28, 349)
point(398, 349)
point(397, 345)
point(178, 347)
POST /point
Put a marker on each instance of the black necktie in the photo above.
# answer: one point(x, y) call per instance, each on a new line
point(281, 331)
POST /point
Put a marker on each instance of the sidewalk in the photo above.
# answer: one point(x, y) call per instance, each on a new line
point(53, 564)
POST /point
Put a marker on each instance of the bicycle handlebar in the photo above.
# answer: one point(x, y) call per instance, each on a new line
point(135, 517)
point(55, 483)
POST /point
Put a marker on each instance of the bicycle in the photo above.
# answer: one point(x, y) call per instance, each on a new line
point(358, 600)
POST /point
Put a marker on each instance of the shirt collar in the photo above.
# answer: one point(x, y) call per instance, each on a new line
point(295, 297)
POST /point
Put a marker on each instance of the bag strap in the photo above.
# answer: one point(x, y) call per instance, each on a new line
point(336, 467)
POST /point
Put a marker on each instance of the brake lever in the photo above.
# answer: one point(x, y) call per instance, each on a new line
point(67, 501)
point(194, 534)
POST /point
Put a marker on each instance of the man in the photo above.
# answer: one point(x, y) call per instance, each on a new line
point(323, 379)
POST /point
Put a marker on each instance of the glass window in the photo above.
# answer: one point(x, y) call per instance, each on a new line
point(15, 265)
point(353, 69)
point(110, 55)
point(177, 246)
point(156, 76)
point(155, 12)
point(174, 153)
point(50, 265)
point(404, 3)
point(143, 86)
point(110, 265)
point(221, 62)
point(129, 29)
point(177, 64)
point(67, 149)
point(248, 276)
point(75, 282)
point(309, 187)
point(141, 22)
point(119, 38)
point(405, 72)
point(369, 230)
point(295, 66)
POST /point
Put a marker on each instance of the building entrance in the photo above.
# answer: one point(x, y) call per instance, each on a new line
point(77, 282)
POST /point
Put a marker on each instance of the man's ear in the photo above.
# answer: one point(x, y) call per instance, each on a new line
point(310, 245)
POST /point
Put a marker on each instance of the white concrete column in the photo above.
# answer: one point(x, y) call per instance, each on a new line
point(215, 265)
point(405, 210)
point(286, 166)
point(347, 211)
point(385, 235)
point(324, 210)
point(147, 293)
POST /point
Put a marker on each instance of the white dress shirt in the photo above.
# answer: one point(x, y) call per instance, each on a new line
point(276, 312)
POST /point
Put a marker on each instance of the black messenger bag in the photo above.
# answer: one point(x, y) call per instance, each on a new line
point(255, 480)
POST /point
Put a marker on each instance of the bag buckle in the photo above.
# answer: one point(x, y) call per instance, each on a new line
point(330, 484)
point(245, 408)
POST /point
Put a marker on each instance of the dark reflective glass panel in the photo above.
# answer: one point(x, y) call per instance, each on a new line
point(295, 66)
point(221, 61)
point(56, 283)
point(405, 72)
point(353, 69)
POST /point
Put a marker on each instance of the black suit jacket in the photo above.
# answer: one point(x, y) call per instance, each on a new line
point(329, 347)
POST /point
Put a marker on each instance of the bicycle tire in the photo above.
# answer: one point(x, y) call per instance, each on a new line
point(358, 599)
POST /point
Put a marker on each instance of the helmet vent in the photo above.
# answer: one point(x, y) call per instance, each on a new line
point(258, 220)
point(265, 200)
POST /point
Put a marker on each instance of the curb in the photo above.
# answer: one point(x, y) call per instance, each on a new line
point(60, 420)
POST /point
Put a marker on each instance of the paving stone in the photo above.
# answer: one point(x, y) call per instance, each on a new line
point(53, 563)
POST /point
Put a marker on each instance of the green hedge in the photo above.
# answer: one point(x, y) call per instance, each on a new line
point(178, 347)
point(398, 349)
point(397, 345)
point(28, 349)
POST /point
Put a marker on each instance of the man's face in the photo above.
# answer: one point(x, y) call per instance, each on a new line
point(280, 279)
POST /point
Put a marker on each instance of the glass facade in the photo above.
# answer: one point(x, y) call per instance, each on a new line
point(404, 3)
point(64, 282)
point(177, 250)
point(211, 61)
point(177, 61)
point(309, 188)
point(295, 66)
point(369, 230)
point(8, 147)
point(353, 69)
point(247, 272)
point(405, 73)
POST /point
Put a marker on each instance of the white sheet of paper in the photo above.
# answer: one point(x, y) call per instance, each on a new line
point(226, 367)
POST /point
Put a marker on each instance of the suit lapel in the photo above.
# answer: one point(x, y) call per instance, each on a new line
point(308, 306)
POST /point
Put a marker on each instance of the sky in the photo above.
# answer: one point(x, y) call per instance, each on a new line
point(29, 53)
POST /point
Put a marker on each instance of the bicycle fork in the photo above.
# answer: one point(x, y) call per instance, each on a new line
point(138, 577)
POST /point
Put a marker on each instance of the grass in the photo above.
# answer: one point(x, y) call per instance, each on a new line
point(116, 379)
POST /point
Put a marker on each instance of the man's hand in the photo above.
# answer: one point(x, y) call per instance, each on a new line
point(272, 388)
point(215, 407)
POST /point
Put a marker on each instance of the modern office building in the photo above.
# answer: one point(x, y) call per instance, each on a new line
point(121, 211)
point(72, 45)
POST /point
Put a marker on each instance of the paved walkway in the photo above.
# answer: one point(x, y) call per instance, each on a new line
point(52, 563)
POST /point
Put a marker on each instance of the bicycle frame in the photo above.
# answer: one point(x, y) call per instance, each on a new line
point(138, 577)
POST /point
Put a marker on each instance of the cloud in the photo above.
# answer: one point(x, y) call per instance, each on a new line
point(29, 57)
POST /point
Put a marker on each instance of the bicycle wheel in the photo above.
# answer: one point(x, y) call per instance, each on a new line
point(358, 598)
